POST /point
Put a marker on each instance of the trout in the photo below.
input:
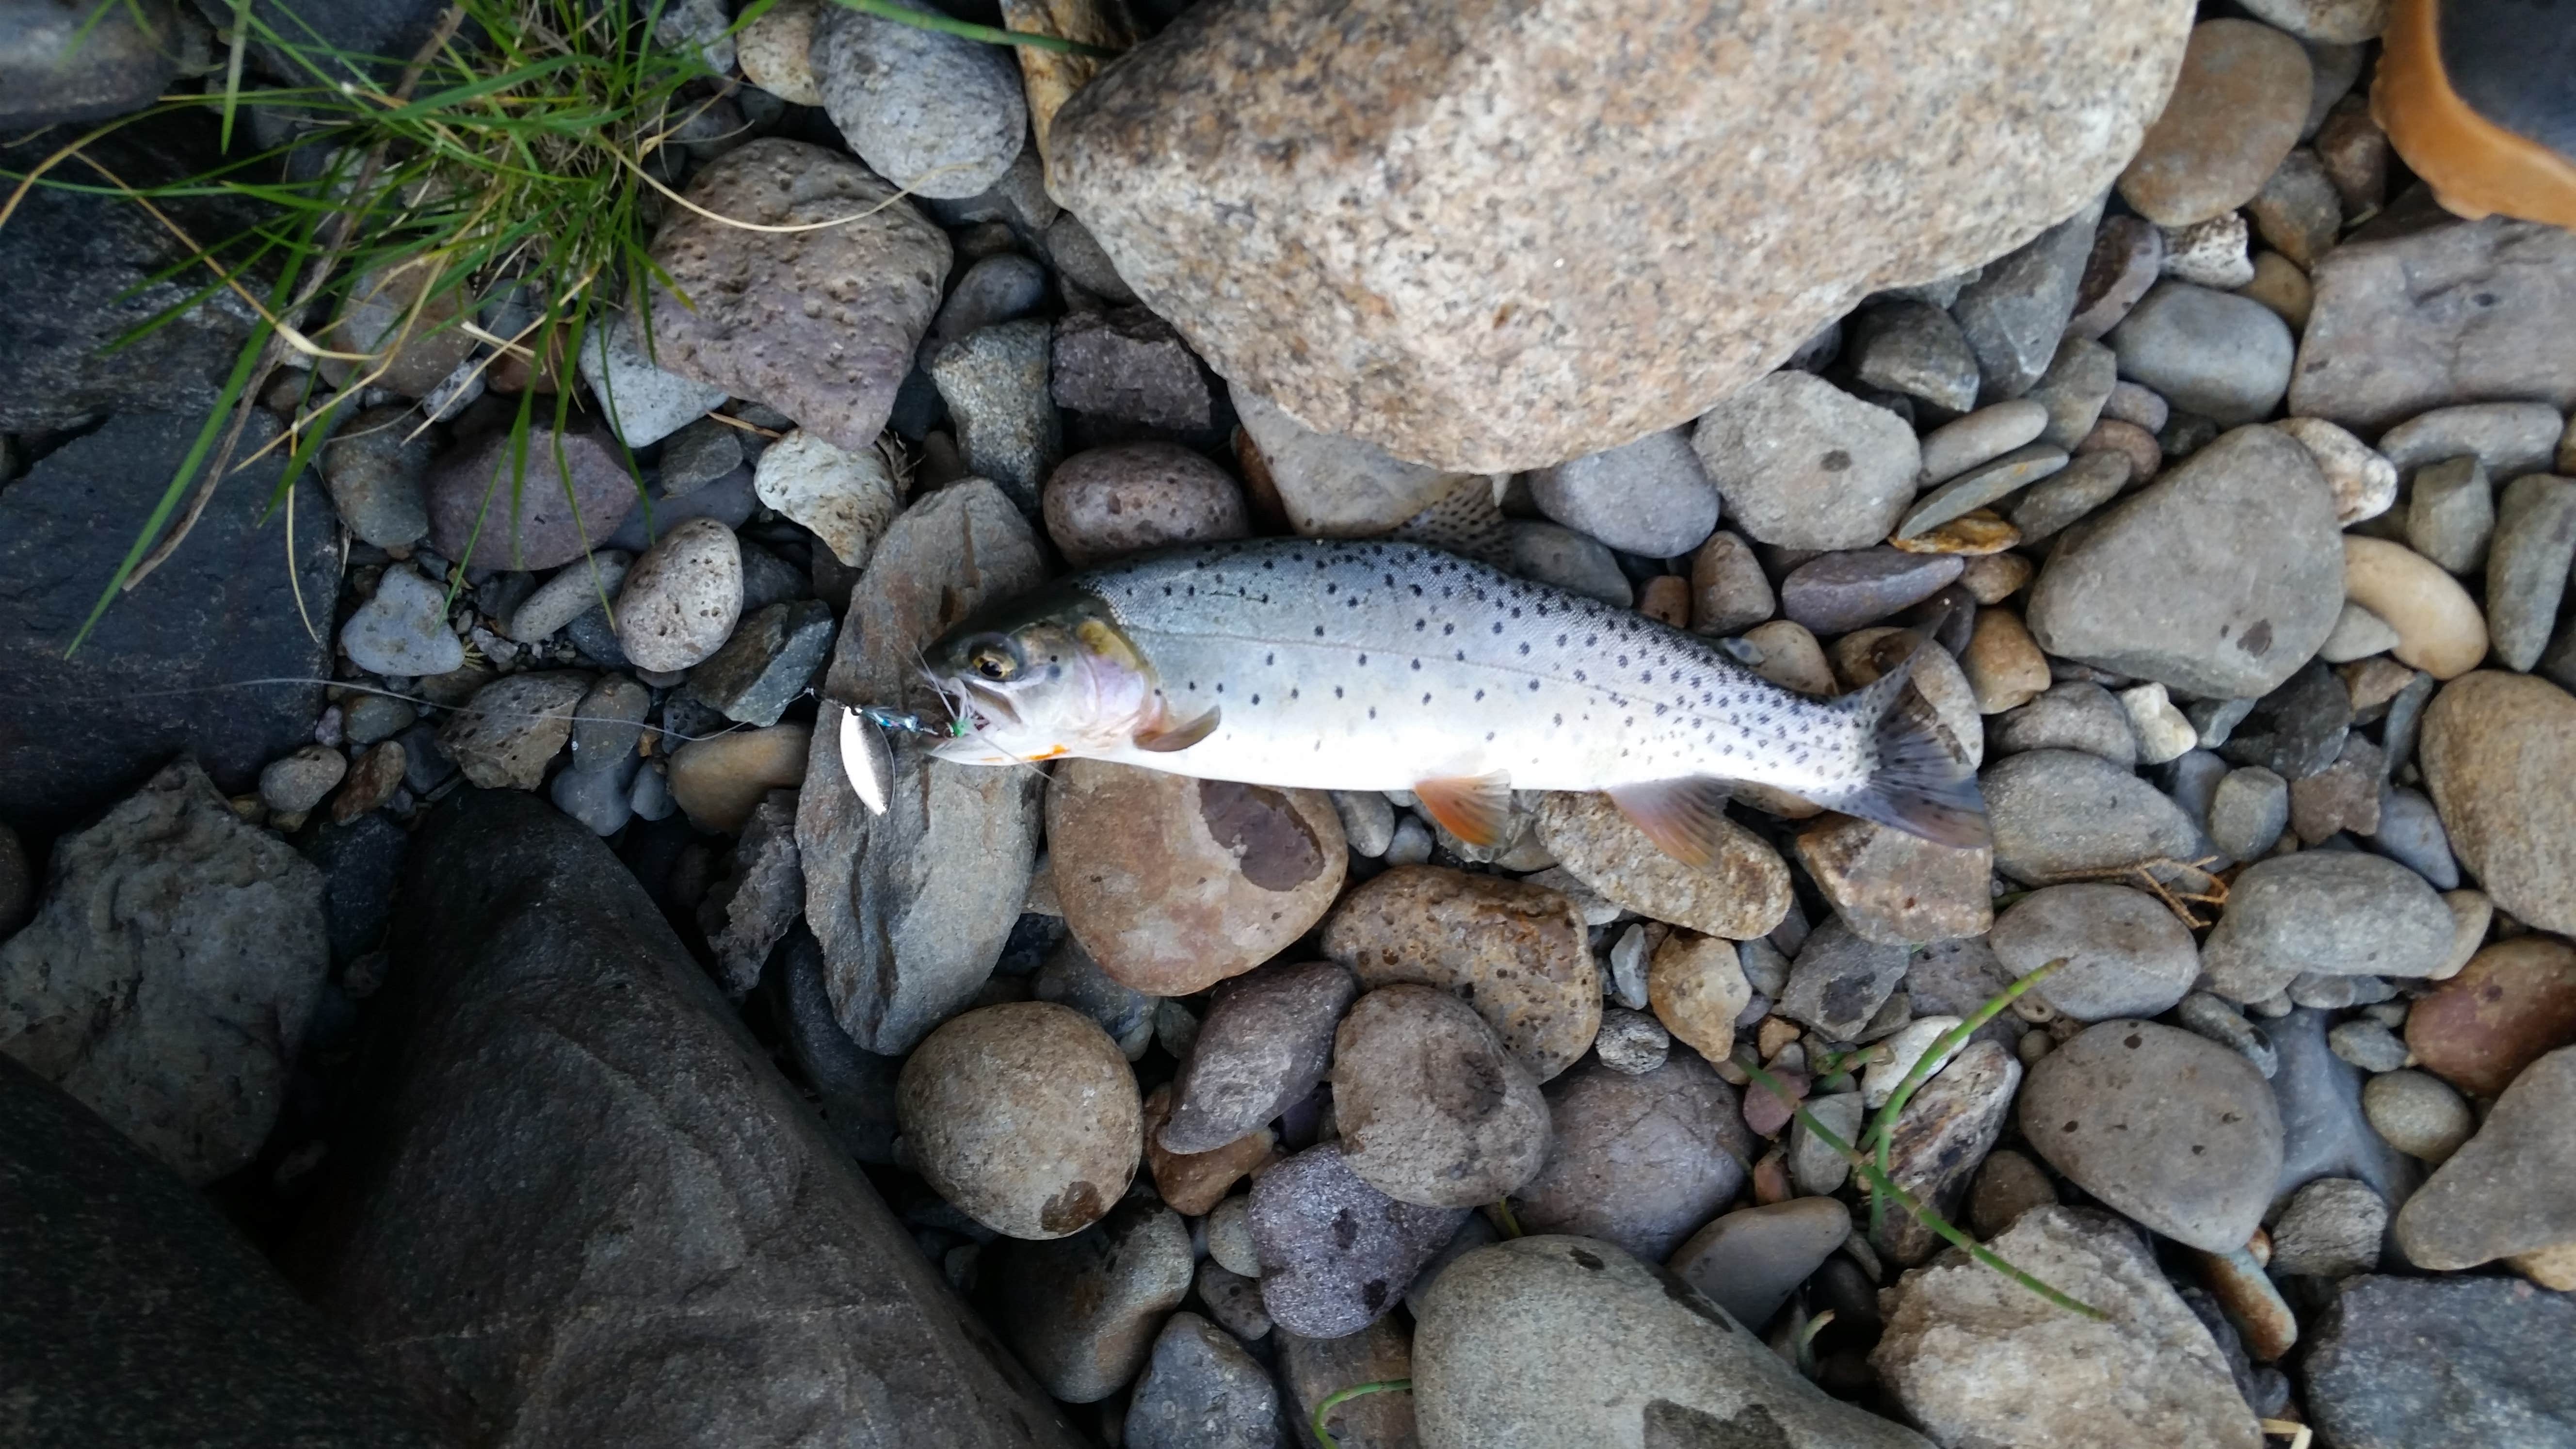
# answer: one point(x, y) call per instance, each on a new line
point(1347, 665)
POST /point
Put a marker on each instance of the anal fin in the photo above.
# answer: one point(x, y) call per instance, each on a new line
point(1166, 739)
point(1686, 818)
point(1475, 808)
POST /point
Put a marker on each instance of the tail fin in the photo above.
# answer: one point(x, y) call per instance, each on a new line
point(1922, 783)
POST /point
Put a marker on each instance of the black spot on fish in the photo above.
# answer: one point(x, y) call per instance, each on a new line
point(1426, 699)
point(1319, 631)
point(1525, 651)
point(1480, 695)
point(1533, 686)
point(1498, 628)
point(1256, 699)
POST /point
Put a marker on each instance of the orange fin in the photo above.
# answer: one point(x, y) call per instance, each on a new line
point(1475, 808)
point(1685, 818)
point(1165, 740)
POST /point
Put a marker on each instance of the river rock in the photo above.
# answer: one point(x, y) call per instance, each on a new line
point(1517, 953)
point(1113, 501)
point(1978, 1359)
point(2172, 1129)
point(2499, 758)
point(913, 907)
point(1981, 436)
point(2062, 814)
point(1913, 348)
point(1728, 588)
point(1432, 369)
point(1432, 1110)
point(1069, 977)
point(2441, 1363)
point(1749, 1261)
point(402, 630)
point(1024, 1115)
point(2248, 812)
point(1838, 592)
point(2363, 481)
point(1889, 886)
point(2379, 350)
point(166, 979)
point(1840, 980)
point(512, 729)
point(1201, 1390)
point(2509, 439)
point(2329, 912)
point(1336, 1253)
point(1664, 1365)
point(766, 665)
point(1638, 1160)
point(2126, 953)
point(573, 495)
point(2018, 306)
point(1082, 1311)
point(1265, 1043)
point(571, 1089)
point(2535, 541)
point(2324, 1132)
point(1743, 893)
point(747, 328)
point(848, 497)
point(939, 115)
point(1803, 464)
point(1650, 497)
point(1175, 883)
point(1953, 1121)
point(2234, 111)
point(2075, 715)
point(2418, 1113)
point(720, 780)
point(1314, 1369)
point(1328, 485)
point(2503, 1194)
point(2223, 356)
point(2513, 1002)
point(683, 597)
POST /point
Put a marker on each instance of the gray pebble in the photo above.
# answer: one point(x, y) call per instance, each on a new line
point(1803, 464)
point(1233, 1299)
point(1981, 486)
point(2020, 305)
point(2527, 565)
point(1069, 977)
point(295, 783)
point(1749, 1261)
point(575, 590)
point(767, 664)
point(1368, 822)
point(2418, 1113)
point(601, 799)
point(1132, 367)
point(1079, 259)
point(1336, 1253)
point(2213, 353)
point(1081, 1311)
point(1432, 1109)
point(373, 465)
point(2075, 715)
point(2063, 813)
point(1766, 966)
point(2331, 1229)
point(2088, 481)
point(367, 718)
point(403, 629)
point(2125, 953)
point(1840, 981)
point(2410, 833)
point(1836, 593)
point(1228, 1229)
point(1650, 497)
point(2127, 256)
point(1411, 843)
point(2249, 811)
point(2367, 1045)
point(996, 382)
point(2078, 382)
point(939, 114)
point(2131, 402)
point(2170, 1128)
point(1631, 1041)
point(2220, 1021)
point(2324, 1131)
point(1571, 561)
point(999, 288)
point(1264, 1044)
point(1988, 433)
point(608, 722)
point(2508, 438)
point(1913, 348)
point(2328, 912)
point(2450, 514)
point(2336, 992)
point(1815, 1168)
point(699, 454)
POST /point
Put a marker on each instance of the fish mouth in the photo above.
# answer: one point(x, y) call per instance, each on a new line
point(976, 706)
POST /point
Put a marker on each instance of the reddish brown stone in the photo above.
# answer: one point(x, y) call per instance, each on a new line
point(2512, 1004)
point(1193, 1182)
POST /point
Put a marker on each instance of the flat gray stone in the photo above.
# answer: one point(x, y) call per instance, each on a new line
point(2442, 1363)
point(2060, 814)
point(2505, 1193)
point(1981, 487)
point(2535, 540)
point(2326, 912)
point(2126, 954)
point(1650, 497)
point(1749, 1261)
point(1840, 592)
point(1637, 1159)
point(1803, 464)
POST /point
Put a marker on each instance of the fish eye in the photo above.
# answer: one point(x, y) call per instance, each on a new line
point(993, 660)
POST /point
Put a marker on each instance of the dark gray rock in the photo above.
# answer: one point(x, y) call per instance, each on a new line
point(17, 883)
point(1840, 980)
point(1129, 366)
point(1839, 592)
point(2535, 539)
point(220, 611)
point(361, 861)
point(2215, 354)
point(59, 63)
point(79, 271)
point(748, 912)
point(574, 494)
point(2323, 1130)
point(1200, 1390)
point(2015, 312)
point(2410, 833)
point(1916, 349)
point(1265, 1043)
point(1313, 1369)
point(997, 288)
point(2075, 715)
point(1069, 977)
point(768, 662)
point(2443, 1363)
point(2075, 388)
point(1079, 260)
point(1082, 1310)
point(2297, 729)
point(698, 454)
point(1638, 1159)
point(1336, 1253)
point(856, 1088)
point(169, 973)
point(996, 384)
point(373, 465)
point(584, 1210)
point(109, 1262)
point(728, 500)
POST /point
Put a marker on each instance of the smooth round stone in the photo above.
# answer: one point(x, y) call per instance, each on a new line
point(1650, 497)
point(296, 783)
point(2126, 954)
point(937, 114)
point(373, 717)
point(2418, 1113)
point(2504, 1193)
point(1023, 1115)
point(1175, 884)
point(1336, 1253)
point(1264, 1045)
point(1233, 1299)
point(1517, 953)
point(2003, 663)
point(2170, 1128)
point(2063, 813)
point(2509, 439)
point(2367, 1045)
point(2439, 627)
point(2248, 812)
point(1201, 1390)
point(575, 590)
point(1432, 1110)
point(1081, 1312)
point(1786, 653)
point(1803, 464)
point(2222, 356)
point(1229, 1237)
point(1981, 436)
point(682, 598)
point(2325, 912)
point(2499, 759)
point(1729, 591)
point(2075, 715)
point(2110, 435)
point(2527, 566)
point(1838, 592)
point(2514, 1002)
point(719, 781)
point(2235, 110)
point(403, 629)
point(1992, 578)
point(1741, 894)
point(1697, 987)
point(2450, 515)
point(1137, 496)
point(1572, 561)
point(1749, 1261)
point(2135, 405)
point(1637, 1160)
point(2088, 481)
point(848, 499)
point(1495, 1364)
point(2410, 833)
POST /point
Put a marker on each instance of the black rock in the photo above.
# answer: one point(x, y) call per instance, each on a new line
point(72, 63)
point(361, 862)
point(583, 1209)
point(130, 1313)
point(856, 1086)
point(2443, 1363)
point(2297, 729)
point(77, 273)
point(151, 681)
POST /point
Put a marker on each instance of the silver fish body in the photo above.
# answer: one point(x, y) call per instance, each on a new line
point(1382, 665)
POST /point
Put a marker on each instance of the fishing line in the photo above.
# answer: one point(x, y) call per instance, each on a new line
point(355, 688)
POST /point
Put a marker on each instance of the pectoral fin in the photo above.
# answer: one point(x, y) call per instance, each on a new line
point(1168, 739)
point(1685, 818)
point(1475, 808)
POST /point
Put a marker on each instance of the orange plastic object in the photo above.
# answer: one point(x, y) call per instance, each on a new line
point(2475, 167)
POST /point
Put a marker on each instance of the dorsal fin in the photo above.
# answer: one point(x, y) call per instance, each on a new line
point(1686, 818)
point(1475, 808)
point(1165, 739)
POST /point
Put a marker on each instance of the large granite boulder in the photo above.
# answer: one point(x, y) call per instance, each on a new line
point(130, 1312)
point(1493, 235)
point(583, 1209)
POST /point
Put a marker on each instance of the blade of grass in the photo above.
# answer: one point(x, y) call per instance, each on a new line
point(1882, 1128)
point(1339, 1397)
point(945, 25)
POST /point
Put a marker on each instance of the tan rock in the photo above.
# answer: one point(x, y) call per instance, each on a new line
point(1743, 893)
point(2280, 285)
point(1895, 889)
point(1175, 884)
point(1666, 599)
point(2499, 757)
point(1697, 988)
point(1518, 953)
point(2003, 663)
point(2235, 110)
point(718, 782)
point(1791, 657)
point(504, 738)
point(1050, 77)
point(1994, 577)
point(772, 51)
point(2364, 482)
point(1347, 240)
point(1191, 1183)
point(2439, 628)
point(1728, 588)
point(1023, 1115)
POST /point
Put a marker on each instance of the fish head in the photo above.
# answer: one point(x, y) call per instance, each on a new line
point(1045, 675)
